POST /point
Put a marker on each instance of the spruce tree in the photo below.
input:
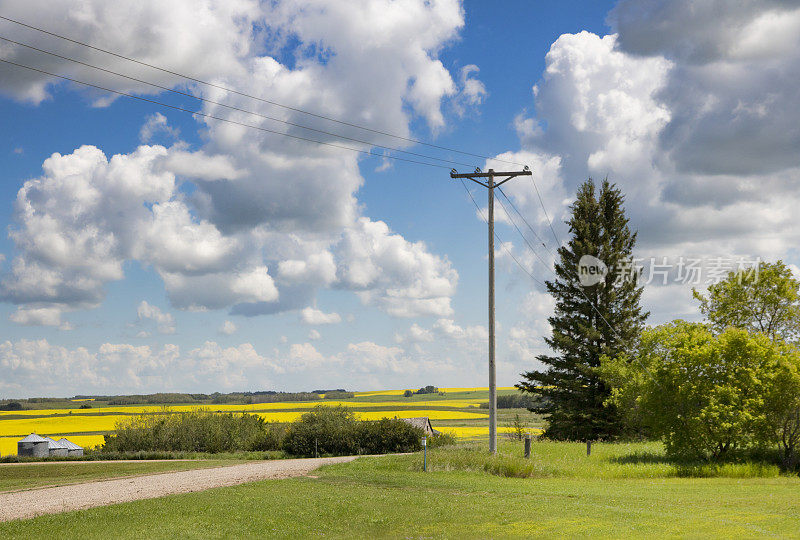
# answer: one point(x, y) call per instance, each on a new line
point(589, 321)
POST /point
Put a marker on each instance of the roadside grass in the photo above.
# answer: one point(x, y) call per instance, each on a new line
point(389, 497)
point(569, 460)
point(24, 476)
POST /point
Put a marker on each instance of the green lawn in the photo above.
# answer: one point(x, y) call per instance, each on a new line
point(621, 490)
point(15, 477)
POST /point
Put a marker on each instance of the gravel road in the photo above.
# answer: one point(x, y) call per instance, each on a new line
point(27, 504)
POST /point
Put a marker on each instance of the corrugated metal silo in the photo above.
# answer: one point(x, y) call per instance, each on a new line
point(33, 446)
point(72, 448)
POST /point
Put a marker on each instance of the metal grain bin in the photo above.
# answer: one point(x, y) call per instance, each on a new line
point(72, 448)
point(33, 446)
point(56, 448)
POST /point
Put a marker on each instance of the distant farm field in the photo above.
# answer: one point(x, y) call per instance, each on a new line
point(454, 410)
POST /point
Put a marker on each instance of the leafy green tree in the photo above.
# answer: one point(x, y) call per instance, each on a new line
point(783, 410)
point(706, 394)
point(767, 300)
point(589, 321)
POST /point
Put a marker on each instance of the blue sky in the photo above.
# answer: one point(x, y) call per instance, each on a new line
point(164, 252)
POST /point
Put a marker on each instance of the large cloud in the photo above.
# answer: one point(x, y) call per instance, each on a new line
point(605, 116)
point(253, 221)
point(733, 88)
point(691, 111)
point(175, 35)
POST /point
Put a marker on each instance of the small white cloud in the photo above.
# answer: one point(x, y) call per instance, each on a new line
point(415, 334)
point(227, 328)
point(157, 123)
point(30, 316)
point(164, 321)
point(472, 91)
point(314, 335)
point(310, 315)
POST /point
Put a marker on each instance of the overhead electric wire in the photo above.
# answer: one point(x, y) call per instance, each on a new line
point(205, 100)
point(497, 236)
point(524, 220)
point(243, 94)
point(550, 223)
point(205, 115)
point(544, 263)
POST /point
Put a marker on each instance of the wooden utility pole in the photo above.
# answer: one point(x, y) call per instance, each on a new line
point(490, 185)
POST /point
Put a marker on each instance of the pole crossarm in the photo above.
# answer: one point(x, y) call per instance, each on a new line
point(477, 174)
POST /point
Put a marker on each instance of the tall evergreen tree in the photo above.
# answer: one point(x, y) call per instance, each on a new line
point(589, 321)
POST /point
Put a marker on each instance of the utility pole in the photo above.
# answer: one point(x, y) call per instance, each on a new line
point(490, 185)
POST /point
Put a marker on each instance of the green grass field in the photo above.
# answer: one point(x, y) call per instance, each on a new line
point(22, 476)
point(621, 490)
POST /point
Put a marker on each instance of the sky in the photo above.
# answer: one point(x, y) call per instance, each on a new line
point(147, 249)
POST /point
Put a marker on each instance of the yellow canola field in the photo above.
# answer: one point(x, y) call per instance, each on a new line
point(8, 445)
point(459, 404)
point(380, 393)
point(471, 432)
point(61, 424)
point(82, 423)
point(475, 389)
point(454, 389)
point(377, 415)
point(433, 415)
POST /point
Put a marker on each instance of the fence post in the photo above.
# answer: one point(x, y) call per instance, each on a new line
point(424, 454)
point(588, 448)
point(527, 445)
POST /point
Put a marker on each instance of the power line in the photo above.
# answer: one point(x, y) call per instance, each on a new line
point(231, 107)
point(243, 94)
point(550, 223)
point(480, 212)
point(521, 234)
point(524, 220)
point(205, 115)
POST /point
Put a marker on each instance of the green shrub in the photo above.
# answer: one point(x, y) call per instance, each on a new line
point(707, 395)
point(196, 431)
point(408, 393)
point(323, 430)
point(388, 436)
point(336, 431)
point(441, 439)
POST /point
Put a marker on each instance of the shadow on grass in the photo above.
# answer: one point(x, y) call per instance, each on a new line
point(758, 464)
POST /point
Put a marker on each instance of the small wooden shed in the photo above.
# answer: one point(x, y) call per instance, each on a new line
point(33, 446)
point(424, 423)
